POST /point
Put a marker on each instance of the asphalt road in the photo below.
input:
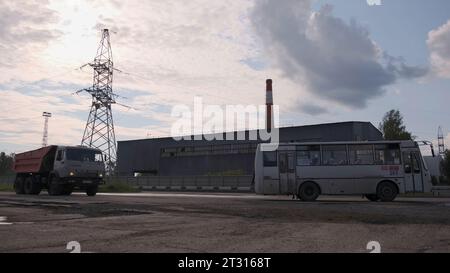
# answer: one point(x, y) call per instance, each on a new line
point(206, 222)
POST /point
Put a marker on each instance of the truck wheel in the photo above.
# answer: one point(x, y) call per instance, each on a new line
point(54, 188)
point(32, 186)
point(92, 190)
point(372, 197)
point(18, 185)
point(387, 191)
point(308, 191)
point(67, 190)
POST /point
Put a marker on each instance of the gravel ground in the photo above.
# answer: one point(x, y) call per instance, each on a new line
point(206, 222)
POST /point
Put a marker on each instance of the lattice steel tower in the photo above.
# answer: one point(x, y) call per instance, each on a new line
point(441, 143)
point(99, 131)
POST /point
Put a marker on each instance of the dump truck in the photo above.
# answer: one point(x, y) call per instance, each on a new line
point(59, 169)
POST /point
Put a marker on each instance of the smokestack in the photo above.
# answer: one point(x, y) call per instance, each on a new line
point(269, 104)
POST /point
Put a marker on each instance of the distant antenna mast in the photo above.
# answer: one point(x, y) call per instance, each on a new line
point(46, 116)
point(99, 131)
point(441, 142)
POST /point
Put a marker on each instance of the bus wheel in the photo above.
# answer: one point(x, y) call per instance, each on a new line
point(372, 197)
point(308, 191)
point(387, 191)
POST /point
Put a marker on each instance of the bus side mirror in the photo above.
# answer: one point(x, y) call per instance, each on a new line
point(104, 158)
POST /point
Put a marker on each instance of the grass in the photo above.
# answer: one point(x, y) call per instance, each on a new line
point(117, 187)
point(6, 187)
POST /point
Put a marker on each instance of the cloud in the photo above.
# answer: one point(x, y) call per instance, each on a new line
point(337, 61)
point(24, 27)
point(439, 46)
point(313, 109)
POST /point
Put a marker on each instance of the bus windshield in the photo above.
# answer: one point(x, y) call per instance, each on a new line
point(83, 155)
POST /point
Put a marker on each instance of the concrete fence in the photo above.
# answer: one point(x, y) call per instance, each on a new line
point(441, 191)
point(190, 183)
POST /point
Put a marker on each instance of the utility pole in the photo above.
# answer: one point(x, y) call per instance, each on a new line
point(99, 130)
point(46, 116)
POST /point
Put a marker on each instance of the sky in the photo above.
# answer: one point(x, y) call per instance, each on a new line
point(330, 60)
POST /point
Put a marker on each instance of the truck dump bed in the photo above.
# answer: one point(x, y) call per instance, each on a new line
point(35, 161)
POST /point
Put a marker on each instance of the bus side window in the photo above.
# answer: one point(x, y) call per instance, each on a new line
point(361, 154)
point(334, 155)
point(308, 155)
point(387, 154)
point(270, 159)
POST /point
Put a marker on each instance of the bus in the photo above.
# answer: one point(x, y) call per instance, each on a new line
point(378, 170)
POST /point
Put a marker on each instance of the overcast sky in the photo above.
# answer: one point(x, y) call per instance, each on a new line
point(331, 61)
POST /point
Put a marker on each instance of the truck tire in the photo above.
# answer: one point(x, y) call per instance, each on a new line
point(92, 190)
point(32, 186)
point(67, 190)
point(18, 185)
point(54, 187)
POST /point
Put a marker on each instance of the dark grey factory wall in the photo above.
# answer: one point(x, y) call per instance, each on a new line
point(208, 165)
point(145, 155)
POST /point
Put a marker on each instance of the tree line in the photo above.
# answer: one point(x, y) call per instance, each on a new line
point(6, 162)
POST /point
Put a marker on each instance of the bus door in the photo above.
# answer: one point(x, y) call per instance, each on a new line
point(287, 172)
point(413, 171)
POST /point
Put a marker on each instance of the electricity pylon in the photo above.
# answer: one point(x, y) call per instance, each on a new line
point(99, 131)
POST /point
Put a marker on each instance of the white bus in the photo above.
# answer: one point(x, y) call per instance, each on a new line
point(379, 170)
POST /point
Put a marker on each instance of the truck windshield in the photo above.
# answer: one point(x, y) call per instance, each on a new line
point(83, 155)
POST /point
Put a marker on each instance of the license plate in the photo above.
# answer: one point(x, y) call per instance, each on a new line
point(87, 182)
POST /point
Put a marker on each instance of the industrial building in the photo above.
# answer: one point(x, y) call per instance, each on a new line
point(169, 157)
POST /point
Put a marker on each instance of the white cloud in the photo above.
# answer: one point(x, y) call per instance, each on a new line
point(336, 60)
point(439, 46)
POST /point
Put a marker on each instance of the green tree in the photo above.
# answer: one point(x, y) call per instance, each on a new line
point(393, 128)
point(445, 166)
point(6, 162)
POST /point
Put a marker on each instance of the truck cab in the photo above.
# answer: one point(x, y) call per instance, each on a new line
point(79, 163)
point(76, 167)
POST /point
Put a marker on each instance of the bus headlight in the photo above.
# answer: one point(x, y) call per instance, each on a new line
point(72, 174)
point(100, 175)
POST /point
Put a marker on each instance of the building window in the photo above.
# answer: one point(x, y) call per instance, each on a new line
point(387, 154)
point(308, 155)
point(222, 149)
point(360, 154)
point(334, 155)
point(270, 159)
